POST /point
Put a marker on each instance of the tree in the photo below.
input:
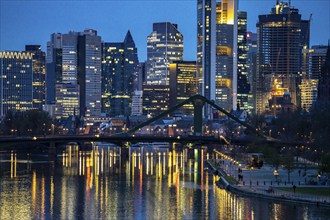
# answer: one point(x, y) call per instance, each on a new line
point(32, 122)
point(288, 163)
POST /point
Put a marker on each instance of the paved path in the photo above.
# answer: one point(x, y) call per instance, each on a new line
point(259, 180)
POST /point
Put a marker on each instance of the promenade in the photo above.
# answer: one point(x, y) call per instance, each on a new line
point(264, 184)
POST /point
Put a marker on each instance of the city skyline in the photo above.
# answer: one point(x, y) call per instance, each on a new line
point(112, 26)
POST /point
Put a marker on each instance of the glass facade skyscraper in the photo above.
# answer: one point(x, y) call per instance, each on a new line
point(89, 73)
point(217, 52)
point(120, 67)
point(16, 78)
point(164, 46)
point(281, 37)
point(39, 75)
point(206, 50)
point(182, 84)
point(74, 62)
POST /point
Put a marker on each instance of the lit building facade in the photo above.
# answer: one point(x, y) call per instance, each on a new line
point(164, 45)
point(217, 36)
point(89, 74)
point(39, 75)
point(120, 68)
point(137, 103)
point(156, 99)
point(243, 82)
point(252, 68)
point(317, 56)
point(67, 103)
point(281, 38)
point(62, 71)
point(74, 62)
point(308, 88)
point(206, 50)
point(16, 78)
point(183, 84)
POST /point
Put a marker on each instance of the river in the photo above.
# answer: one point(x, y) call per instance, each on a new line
point(140, 183)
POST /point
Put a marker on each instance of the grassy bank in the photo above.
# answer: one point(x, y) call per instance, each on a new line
point(317, 191)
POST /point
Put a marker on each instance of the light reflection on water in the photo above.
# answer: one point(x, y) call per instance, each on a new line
point(135, 183)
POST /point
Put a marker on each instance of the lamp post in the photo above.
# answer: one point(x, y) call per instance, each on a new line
point(276, 174)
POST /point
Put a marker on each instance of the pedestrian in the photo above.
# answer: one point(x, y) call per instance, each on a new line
point(299, 172)
point(294, 188)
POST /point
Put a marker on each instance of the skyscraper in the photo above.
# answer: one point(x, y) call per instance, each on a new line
point(323, 91)
point(182, 84)
point(243, 81)
point(16, 77)
point(89, 73)
point(217, 52)
point(119, 73)
point(62, 71)
point(74, 63)
point(165, 45)
point(206, 50)
point(252, 67)
point(39, 75)
point(281, 38)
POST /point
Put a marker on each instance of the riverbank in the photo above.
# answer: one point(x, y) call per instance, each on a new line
point(261, 183)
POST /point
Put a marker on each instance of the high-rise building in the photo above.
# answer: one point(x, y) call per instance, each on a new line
point(183, 84)
point(165, 45)
point(282, 36)
point(16, 78)
point(119, 75)
point(206, 50)
point(252, 68)
point(137, 103)
point(243, 81)
point(323, 91)
point(39, 75)
point(156, 99)
point(74, 62)
point(313, 61)
point(89, 73)
point(62, 89)
point(217, 36)
point(317, 56)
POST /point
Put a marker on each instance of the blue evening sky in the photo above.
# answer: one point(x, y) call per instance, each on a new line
point(32, 22)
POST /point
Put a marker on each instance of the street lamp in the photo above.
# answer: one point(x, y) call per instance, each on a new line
point(276, 174)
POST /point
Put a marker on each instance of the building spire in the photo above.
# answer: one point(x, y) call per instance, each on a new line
point(129, 39)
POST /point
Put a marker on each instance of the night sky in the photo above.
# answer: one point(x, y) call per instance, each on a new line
point(32, 22)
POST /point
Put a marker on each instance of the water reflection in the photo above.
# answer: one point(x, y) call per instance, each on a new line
point(126, 183)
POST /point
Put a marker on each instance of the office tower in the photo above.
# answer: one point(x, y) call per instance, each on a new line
point(217, 35)
point(16, 79)
point(308, 88)
point(89, 73)
point(62, 71)
point(243, 83)
point(323, 91)
point(206, 50)
point(252, 68)
point(313, 61)
point(137, 103)
point(281, 38)
point(53, 66)
point(165, 45)
point(183, 84)
point(119, 71)
point(74, 63)
point(39, 74)
point(317, 56)
point(156, 99)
